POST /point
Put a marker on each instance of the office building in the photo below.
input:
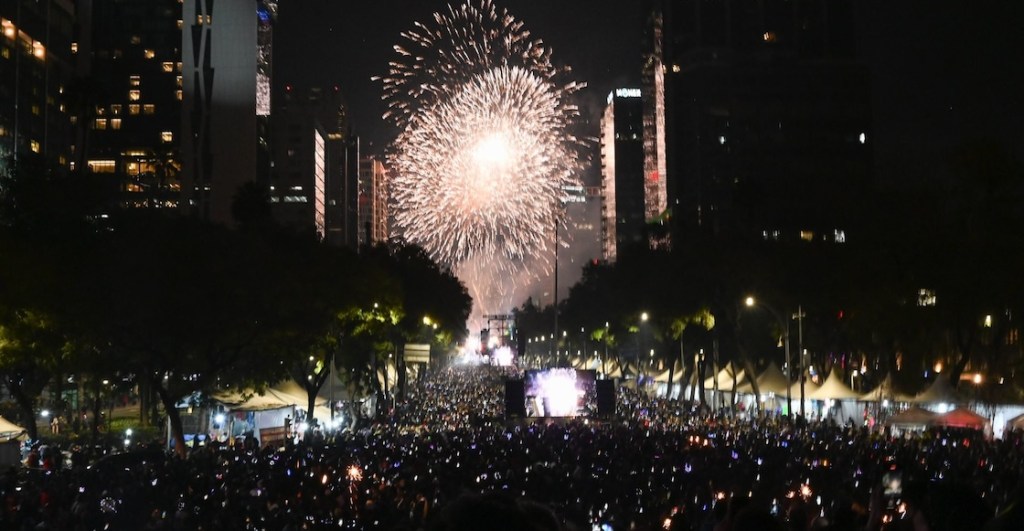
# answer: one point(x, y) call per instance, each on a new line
point(768, 117)
point(653, 94)
point(623, 215)
point(227, 57)
point(130, 86)
point(373, 202)
point(36, 68)
point(310, 154)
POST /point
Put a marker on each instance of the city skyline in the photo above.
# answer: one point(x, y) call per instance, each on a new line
point(938, 70)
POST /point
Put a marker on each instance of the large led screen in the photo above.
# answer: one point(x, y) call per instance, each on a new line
point(559, 392)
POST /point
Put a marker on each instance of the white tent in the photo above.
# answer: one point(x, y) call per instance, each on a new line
point(9, 430)
point(771, 380)
point(834, 389)
point(941, 391)
point(886, 390)
point(725, 378)
point(809, 387)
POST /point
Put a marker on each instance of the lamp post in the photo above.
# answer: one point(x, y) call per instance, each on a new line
point(799, 316)
point(604, 360)
point(750, 302)
point(640, 347)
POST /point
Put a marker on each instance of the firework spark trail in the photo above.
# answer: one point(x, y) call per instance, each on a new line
point(484, 150)
point(484, 169)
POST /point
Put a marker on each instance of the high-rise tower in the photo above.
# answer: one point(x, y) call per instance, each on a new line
point(226, 51)
point(653, 93)
point(36, 66)
point(768, 118)
point(622, 173)
point(129, 91)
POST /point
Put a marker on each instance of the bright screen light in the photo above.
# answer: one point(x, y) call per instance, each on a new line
point(558, 392)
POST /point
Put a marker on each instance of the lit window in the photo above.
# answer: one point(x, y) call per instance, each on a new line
point(209, 19)
point(100, 110)
point(9, 30)
point(136, 39)
point(148, 108)
point(926, 297)
point(133, 108)
point(177, 94)
point(134, 81)
point(34, 145)
point(100, 123)
point(199, 20)
point(178, 81)
point(6, 53)
point(74, 47)
point(149, 54)
point(101, 166)
point(36, 110)
point(115, 123)
point(38, 50)
point(178, 65)
point(167, 66)
point(769, 36)
point(115, 109)
point(863, 138)
point(167, 136)
point(180, 24)
point(806, 235)
point(134, 95)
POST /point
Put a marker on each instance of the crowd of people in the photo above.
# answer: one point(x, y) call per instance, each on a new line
point(446, 458)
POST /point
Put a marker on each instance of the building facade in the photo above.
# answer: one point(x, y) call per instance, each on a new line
point(36, 69)
point(226, 52)
point(373, 202)
point(768, 118)
point(653, 94)
point(309, 153)
point(623, 211)
point(130, 85)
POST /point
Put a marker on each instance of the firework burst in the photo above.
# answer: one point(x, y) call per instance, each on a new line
point(484, 150)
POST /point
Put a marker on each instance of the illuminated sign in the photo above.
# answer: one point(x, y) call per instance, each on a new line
point(627, 93)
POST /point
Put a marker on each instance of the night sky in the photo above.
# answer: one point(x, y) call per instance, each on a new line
point(944, 72)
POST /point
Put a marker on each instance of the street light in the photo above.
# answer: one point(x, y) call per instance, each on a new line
point(640, 346)
point(605, 358)
point(751, 302)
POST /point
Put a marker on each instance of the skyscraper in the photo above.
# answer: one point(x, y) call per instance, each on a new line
point(623, 215)
point(373, 202)
point(653, 93)
point(768, 118)
point(308, 158)
point(36, 65)
point(129, 91)
point(226, 51)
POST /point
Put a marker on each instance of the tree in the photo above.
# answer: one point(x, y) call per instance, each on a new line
point(186, 306)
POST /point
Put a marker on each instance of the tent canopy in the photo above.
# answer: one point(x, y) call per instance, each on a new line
point(961, 418)
point(725, 378)
point(941, 391)
point(834, 389)
point(772, 380)
point(914, 416)
point(9, 429)
point(886, 390)
point(1016, 423)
